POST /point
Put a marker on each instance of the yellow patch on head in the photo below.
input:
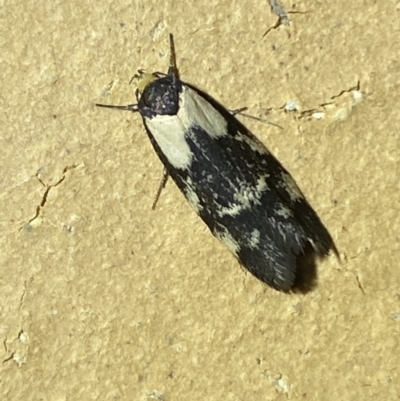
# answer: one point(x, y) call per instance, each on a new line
point(142, 79)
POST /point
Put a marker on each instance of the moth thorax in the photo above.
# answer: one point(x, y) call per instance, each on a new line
point(160, 97)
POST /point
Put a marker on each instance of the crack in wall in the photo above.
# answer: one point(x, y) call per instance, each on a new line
point(47, 191)
point(320, 111)
point(283, 16)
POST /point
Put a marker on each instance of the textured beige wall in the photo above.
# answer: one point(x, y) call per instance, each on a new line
point(103, 298)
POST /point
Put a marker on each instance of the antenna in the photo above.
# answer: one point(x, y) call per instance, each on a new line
point(172, 69)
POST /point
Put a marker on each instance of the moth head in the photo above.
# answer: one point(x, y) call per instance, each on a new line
point(157, 94)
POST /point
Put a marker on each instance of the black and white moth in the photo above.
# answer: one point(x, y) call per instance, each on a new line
point(245, 196)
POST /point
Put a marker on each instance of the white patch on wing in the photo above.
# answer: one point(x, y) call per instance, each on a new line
point(169, 133)
point(231, 210)
point(290, 186)
point(192, 197)
point(228, 241)
point(283, 211)
point(255, 238)
point(288, 231)
point(254, 143)
point(262, 184)
point(245, 198)
point(194, 110)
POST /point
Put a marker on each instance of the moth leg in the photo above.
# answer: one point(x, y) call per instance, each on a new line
point(237, 111)
point(161, 186)
point(242, 109)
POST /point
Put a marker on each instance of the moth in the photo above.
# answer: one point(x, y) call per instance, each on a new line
point(243, 194)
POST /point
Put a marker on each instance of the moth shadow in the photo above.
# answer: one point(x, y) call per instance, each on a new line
point(306, 274)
